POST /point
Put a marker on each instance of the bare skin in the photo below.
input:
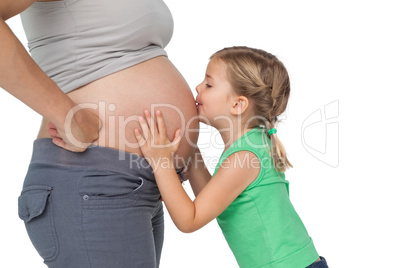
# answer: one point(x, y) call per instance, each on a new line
point(121, 96)
point(116, 99)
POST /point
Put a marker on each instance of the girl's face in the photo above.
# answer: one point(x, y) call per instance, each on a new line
point(214, 95)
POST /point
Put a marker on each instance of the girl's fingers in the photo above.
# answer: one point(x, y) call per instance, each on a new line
point(145, 128)
point(177, 139)
point(161, 124)
point(151, 123)
point(177, 135)
point(140, 139)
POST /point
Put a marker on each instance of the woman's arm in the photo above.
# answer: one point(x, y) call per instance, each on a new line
point(22, 77)
point(228, 183)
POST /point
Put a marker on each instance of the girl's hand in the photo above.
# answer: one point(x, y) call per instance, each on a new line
point(154, 143)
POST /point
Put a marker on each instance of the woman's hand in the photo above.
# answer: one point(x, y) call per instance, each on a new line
point(40, 92)
point(77, 132)
point(154, 143)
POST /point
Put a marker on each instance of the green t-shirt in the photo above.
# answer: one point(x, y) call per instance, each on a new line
point(261, 226)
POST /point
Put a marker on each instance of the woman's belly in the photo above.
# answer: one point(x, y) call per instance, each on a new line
point(119, 98)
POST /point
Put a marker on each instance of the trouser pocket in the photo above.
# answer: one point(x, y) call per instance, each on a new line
point(102, 189)
point(35, 209)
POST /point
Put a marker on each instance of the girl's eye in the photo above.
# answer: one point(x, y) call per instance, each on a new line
point(208, 85)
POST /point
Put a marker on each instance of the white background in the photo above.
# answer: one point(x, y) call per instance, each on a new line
point(346, 181)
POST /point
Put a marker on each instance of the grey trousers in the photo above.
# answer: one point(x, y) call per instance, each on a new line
point(92, 209)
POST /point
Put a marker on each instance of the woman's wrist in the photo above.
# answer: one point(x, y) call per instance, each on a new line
point(60, 108)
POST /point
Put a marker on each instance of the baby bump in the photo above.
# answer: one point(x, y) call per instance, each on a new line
point(119, 98)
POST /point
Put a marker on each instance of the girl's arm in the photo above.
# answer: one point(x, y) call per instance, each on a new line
point(197, 173)
point(235, 174)
point(22, 78)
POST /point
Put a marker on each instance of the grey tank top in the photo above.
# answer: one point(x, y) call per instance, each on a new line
point(76, 42)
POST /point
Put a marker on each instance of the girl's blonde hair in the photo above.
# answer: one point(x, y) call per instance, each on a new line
point(263, 79)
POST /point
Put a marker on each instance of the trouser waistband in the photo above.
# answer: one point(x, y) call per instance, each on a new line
point(45, 152)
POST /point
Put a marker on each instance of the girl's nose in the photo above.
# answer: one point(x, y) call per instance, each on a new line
point(197, 88)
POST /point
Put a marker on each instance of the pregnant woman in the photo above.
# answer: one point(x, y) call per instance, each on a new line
point(106, 62)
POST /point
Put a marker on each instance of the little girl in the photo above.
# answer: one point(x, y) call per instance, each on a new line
point(242, 95)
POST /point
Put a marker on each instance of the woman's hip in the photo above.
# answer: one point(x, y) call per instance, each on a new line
point(88, 204)
point(100, 177)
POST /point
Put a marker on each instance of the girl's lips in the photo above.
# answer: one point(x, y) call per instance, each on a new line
point(197, 105)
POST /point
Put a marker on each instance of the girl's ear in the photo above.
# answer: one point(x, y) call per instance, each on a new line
point(239, 106)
